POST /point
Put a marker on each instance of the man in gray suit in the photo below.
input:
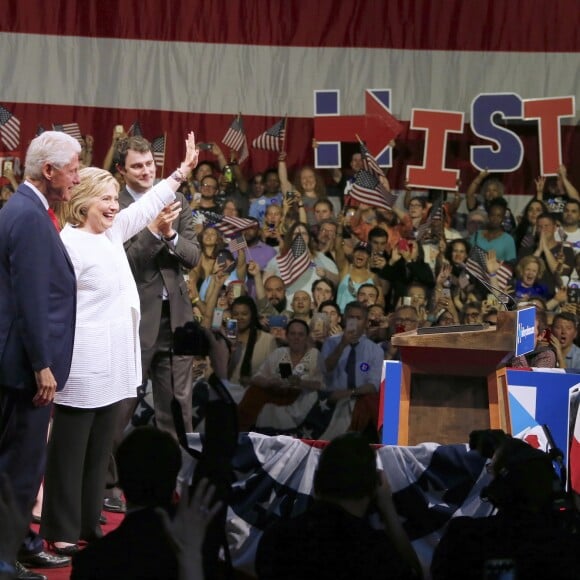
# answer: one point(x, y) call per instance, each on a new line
point(157, 255)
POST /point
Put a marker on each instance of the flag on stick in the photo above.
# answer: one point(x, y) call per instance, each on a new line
point(71, 129)
point(158, 149)
point(370, 164)
point(235, 138)
point(477, 267)
point(273, 138)
point(9, 129)
point(229, 226)
point(369, 190)
point(435, 213)
point(135, 130)
point(237, 243)
point(295, 261)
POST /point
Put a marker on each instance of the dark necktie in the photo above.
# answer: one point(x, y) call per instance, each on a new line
point(53, 219)
point(351, 367)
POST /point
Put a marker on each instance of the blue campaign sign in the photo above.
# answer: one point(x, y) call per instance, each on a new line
point(543, 398)
point(525, 330)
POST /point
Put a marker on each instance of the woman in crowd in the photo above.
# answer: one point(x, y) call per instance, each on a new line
point(210, 243)
point(250, 348)
point(529, 272)
point(230, 209)
point(322, 290)
point(408, 267)
point(272, 231)
point(308, 184)
point(458, 281)
point(354, 275)
point(283, 376)
point(525, 232)
point(331, 312)
point(106, 362)
point(493, 236)
point(321, 266)
point(257, 186)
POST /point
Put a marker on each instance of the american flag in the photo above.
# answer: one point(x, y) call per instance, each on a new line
point(235, 138)
point(135, 130)
point(71, 129)
point(237, 243)
point(369, 162)
point(294, 262)
point(477, 267)
point(368, 189)
point(158, 148)
point(228, 226)
point(435, 213)
point(9, 129)
point(272, 139)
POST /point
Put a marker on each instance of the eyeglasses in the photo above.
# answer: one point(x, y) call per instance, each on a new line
point(209, 186)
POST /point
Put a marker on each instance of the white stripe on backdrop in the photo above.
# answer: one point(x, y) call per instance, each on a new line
point(264, 80)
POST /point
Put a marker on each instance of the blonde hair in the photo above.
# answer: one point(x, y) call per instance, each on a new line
point(93, 183)
point(525, 261)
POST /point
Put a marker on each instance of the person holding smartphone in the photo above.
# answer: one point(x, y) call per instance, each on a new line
point(249, 349)
point(351, 363)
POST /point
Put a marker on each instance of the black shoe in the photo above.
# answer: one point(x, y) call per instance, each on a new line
point(115, 505)
point(23, 573)
point(44, 560)
point(66, 551)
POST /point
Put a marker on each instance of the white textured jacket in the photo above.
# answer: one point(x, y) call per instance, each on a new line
point(106, 362)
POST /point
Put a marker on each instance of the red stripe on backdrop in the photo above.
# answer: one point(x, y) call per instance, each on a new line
point(505, 25)
point(100, 123)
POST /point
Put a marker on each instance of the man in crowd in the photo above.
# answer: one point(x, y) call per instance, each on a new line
point(272, 194)
point(564, 332)
point(326, 238)
point(333, 538)
point(404, 318)
point(273, 301)
point(527, 536)
point(208, 204)
point(302, 305)
point(37, 321)
point(570, 233)
point(156, 256)
point(351, 364)
point(258, 251)
point(367, 294)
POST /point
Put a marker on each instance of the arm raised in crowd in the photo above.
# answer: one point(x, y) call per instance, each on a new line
point(471, 194)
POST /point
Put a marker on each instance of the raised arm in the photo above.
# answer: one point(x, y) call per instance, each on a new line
point(254, 271)
point(239, 176)
point(568, 187)
point(470, 196)
point(285, 184)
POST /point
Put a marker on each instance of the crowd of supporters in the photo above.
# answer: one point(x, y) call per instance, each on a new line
point(412, 255)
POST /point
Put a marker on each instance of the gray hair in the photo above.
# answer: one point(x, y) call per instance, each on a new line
point(54, 147)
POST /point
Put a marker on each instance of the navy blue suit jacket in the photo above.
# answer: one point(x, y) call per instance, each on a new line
point(37, 294)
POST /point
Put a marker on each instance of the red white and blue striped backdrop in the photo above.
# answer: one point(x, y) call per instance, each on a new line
point(193, 64)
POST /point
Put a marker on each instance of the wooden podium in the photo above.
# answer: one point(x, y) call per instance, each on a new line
point(449, 382)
